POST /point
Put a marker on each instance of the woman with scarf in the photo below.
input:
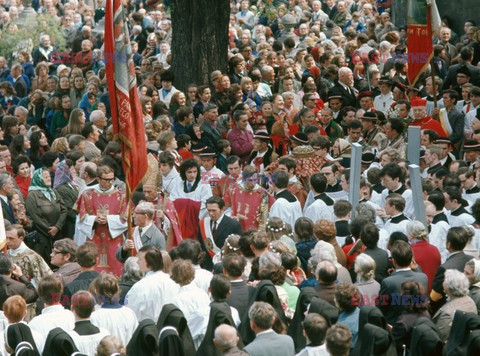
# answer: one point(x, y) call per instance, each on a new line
point(77, 91)
point(67, 187)
point(472, 272)
point(46, 210)
point(21, 169)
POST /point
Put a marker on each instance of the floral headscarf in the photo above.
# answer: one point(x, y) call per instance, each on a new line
point(39, 184)
point(62, 174)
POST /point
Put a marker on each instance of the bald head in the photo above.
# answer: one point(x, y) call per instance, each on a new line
point(225, 337)
point(326, 272)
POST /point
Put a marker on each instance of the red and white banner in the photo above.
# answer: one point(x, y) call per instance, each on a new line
point(127, 118)
point(422, 19)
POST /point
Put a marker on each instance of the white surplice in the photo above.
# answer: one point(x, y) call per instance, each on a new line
point(202, 278)
point(87, 344)
point(52, 317)
point(148, 296)
point(119, 321)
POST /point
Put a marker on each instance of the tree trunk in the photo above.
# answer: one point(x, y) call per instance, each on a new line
point(199, 40)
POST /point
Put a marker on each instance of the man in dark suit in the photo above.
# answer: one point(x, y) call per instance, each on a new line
point(389, 300)
point(457, 238)
point(215, 229)
point(210, 132)
point(6, 188)
point(370, 236)
point(233, 267)
point(267, 342)
point(138, 37)
point(466, 55)
point(10, 287)
point(330, 8)
point(451, 50)
point(87, 256)
point(344, 87)
point(145, 232)
point(18, 82)
point(100, 121)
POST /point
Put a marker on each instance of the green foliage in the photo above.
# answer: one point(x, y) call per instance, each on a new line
point(27, 37)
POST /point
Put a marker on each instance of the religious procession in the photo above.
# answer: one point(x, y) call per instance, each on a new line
point(316, 193)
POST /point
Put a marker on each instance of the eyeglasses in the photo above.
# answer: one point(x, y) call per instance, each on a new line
point(108, 179)
point(55, 252)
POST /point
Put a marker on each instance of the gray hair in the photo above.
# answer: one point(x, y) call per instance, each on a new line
point(416, 230)
point(96, 115)
point(225, 336)
point(146, 208)
point(4, 179)
point(365, 267)
point(323, 251)
point(21, 109)
point(287, 93)
point(262, 315)
point(265, 70)
point(269, 259)
point(131, 270)
point(456, 283)
point(366, 211)
point(344, 70)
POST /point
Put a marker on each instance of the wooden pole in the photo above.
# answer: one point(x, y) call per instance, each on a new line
point(434, 90)
point(129, 221)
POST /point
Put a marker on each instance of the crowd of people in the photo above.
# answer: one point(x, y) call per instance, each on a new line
point(244, 240)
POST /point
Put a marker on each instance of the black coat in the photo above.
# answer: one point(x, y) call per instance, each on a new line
point(8, 213)
point(172, 316)
point(456, 261)
point(348, 97)
point(227, 227)
point(451, 78)
point(82, 282)
point(144, 339)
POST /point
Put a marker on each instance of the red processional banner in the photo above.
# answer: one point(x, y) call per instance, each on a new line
point(127, 118)
point(422, 20)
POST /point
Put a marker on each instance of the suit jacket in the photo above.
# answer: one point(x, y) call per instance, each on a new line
point(8, 212)
point(451, 78)
point(456, 261)
point(21, 87)
point(91, 151)
point(381, 260)
point(240, 297)
point(271, 343)
point(349, 98)
point(444, 316)
point(211, 133)
point(82, 282)
point(226, 227)
point(153, 236)
point(457, 121)
point(392, 286)
point(10, 287)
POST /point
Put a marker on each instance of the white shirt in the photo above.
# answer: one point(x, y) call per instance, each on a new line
point(190, 299)
point(87, 344)
point(148, 296)
point(383, 102)
point(319, 210)
point(120, 322)
point(170, 180)
point(52, 317)
point(202, 278)
point(287, 211)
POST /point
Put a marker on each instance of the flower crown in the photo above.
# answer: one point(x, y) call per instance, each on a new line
point(272, 229)
point(234, 249)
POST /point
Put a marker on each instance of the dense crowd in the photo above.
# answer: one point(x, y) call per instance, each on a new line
point(244, 240)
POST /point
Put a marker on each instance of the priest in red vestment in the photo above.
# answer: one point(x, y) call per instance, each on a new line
point(102, 214)
point(189, 196)
point(420, 117)
point(248, 201)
